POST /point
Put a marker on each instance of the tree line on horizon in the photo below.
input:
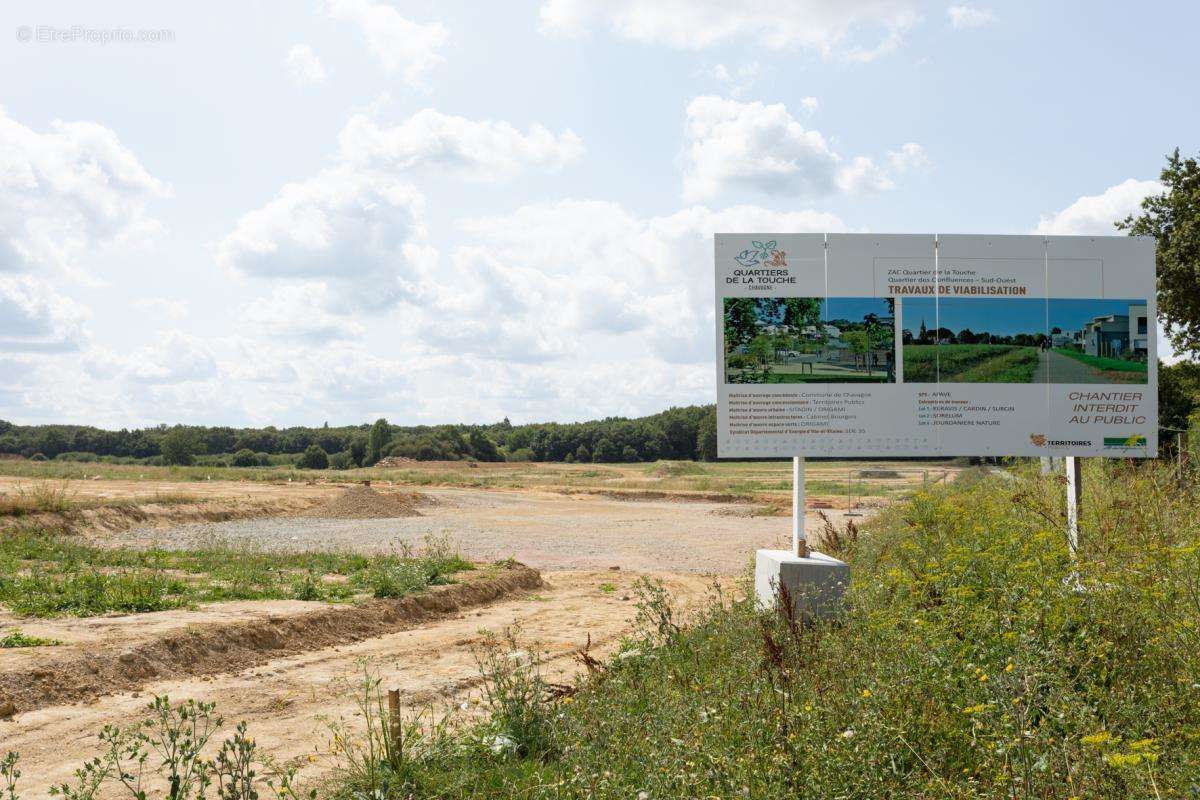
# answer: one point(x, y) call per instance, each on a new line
point(687, 433)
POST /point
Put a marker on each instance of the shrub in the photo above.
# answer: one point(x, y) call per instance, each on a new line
point(341, 460)
point(629, 455)
point(37, 457)
point(521, 454)
point(313, 458)
point(180, 446)
point(244, 458)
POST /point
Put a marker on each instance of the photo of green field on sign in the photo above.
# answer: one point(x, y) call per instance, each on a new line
point(809, 340)
point(1024, 340)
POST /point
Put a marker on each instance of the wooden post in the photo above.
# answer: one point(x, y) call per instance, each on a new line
point(394, 729)
point(799, 539)
point(1074, 502)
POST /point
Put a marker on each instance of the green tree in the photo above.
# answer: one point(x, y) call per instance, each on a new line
point(582, 454)
point(1178, 394)
point(606, 452)
point(482, 447)
point(244, 458)
point(377, 440)
point(314, 457)
point(180, 446)
point(1173, 219)
point(706, 436)
point(629, 455)
point(741, 321)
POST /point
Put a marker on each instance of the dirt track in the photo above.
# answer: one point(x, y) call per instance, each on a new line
point(546, 530)
point(573, 538)
point(286, 700)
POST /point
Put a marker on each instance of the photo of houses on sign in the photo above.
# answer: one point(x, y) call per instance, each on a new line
point(809, 340)
point(1024, 340)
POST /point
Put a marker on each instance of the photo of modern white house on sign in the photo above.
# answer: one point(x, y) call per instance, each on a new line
point(1025, 340)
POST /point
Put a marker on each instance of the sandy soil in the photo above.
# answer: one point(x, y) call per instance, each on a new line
point(574, 539)
point(287, 701)
point(546, 530)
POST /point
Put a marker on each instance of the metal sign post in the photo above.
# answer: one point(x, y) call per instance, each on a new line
point(799, 540)
point(1074, 502)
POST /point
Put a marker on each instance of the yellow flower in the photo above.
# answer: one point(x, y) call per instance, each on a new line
point(1009, 667)
point(866, 692)
point(1098, 739)
point(983, 677)
point(976, 709)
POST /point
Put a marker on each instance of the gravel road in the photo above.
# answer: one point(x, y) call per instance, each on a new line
point(544, 530)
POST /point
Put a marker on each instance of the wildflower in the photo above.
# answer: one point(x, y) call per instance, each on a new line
point(1123, 759)
point(1098, 739)
point(866, 692)
point(976, 709)
point(847, 734)
point(1009, 667)
point(983, 677)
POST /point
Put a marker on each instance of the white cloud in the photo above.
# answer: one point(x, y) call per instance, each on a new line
point(809, 104)
point(162, 307)
point(67, 191)
point(910, 156)
point(735, 81)
point(828, 28)
point(1095, 214)
point(590, 271)
point(472, 148)
point(969, 16)
point(304, 67)
point(174, 357)
point(299, 311)
point(350, 226)
point(34, 318)
point(731, 147)
point(402, 47)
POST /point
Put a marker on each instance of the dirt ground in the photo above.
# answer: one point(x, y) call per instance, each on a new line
point(288, 701)
point(575, 539)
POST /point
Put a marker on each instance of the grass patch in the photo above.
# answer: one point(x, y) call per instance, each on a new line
point(970, 363)
point(14, 638)
point(47, 574)
point(1103, 363)
point(975, 659)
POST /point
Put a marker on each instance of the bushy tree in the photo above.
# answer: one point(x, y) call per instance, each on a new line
point(582, 454)
point(1173, 219)
point(180, 446)
point(314, 458)
point(605, 452)
point(706, 436)
point(377, 440)
point(244, 458)
point(482, 447)
point(629, 455)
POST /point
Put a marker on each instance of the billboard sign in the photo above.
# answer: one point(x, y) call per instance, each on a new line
point(926, 345)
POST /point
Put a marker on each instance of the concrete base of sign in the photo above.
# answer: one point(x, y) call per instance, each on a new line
point(816, 583)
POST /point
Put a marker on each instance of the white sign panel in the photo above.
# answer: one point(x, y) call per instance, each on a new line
point(914, 345)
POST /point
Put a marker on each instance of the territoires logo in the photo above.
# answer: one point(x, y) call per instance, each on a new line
point(1040, 440)
point(764, 253)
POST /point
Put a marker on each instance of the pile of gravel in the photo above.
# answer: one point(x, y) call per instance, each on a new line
point(363, 502)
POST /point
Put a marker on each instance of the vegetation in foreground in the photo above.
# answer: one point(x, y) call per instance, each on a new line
point(975, 659)
point(44, 573)
point(970, 363)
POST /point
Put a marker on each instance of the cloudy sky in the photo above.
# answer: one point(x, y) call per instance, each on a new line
point(298, 211)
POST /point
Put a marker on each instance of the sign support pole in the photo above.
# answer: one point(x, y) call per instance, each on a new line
point(799, 540)
point(1074, 502)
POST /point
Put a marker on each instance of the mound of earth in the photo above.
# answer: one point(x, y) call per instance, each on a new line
point(363, 502)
